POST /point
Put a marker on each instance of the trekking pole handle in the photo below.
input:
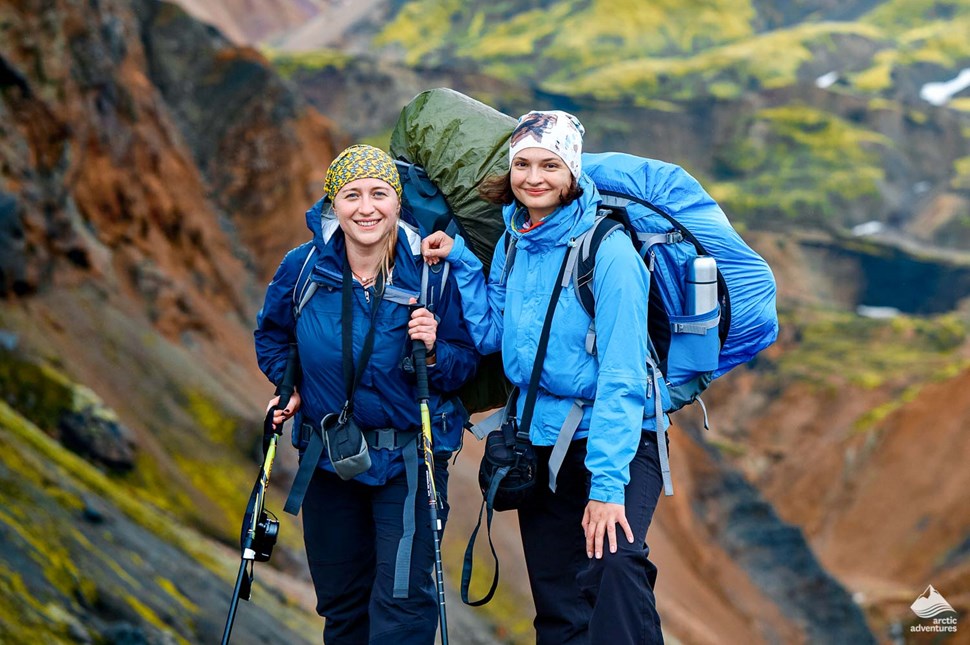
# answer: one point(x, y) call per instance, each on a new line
point(421, 368)
point(288, 384)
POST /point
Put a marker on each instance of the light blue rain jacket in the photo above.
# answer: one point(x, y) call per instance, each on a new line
point(510, 316)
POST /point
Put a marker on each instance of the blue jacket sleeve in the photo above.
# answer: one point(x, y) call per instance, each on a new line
point(620, 289)
point(275, 325)
point(456, 358)
point(483, 304)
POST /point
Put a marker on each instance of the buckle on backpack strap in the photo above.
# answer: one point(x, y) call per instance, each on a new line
point(307, 430)
point(673, 237)
point(389, 438)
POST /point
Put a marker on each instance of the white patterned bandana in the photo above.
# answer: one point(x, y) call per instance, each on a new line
point(556, 131)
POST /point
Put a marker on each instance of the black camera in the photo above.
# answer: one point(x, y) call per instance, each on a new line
point(267, 530)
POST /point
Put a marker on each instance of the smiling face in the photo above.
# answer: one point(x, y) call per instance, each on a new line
point(539, 179)
point(367, 210)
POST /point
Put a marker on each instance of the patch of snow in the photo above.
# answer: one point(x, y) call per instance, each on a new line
point(869, 228)
point(826, 80)
point(941, 93)
point(879, 313)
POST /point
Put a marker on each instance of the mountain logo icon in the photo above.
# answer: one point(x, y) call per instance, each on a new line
point(930, 604)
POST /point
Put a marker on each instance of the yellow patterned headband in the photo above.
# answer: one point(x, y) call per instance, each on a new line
point(359, 162)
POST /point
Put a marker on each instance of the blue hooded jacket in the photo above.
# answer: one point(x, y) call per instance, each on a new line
point(509, 317)
point(386, 396)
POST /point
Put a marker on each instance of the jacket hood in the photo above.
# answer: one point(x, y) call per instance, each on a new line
point(563, 224)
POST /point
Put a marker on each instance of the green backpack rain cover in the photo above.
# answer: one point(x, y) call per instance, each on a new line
point(459, 142)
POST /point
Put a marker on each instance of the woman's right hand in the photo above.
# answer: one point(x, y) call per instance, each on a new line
point(436, 247)
point(280, 416)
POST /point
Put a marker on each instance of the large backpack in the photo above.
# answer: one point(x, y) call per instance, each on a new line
point(673, 222)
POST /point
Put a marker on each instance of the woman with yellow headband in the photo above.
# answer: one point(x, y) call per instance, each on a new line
point(353, 287)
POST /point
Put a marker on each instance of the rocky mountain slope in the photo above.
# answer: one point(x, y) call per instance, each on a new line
point(132, 263)
point(151, 176)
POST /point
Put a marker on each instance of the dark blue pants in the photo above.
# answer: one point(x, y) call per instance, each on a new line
point(583, 600)
point(351, 533)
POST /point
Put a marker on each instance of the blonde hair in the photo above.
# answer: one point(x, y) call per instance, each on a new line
point(387, 255)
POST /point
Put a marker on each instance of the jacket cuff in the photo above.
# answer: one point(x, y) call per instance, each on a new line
point(457, 248)
point(607, 493)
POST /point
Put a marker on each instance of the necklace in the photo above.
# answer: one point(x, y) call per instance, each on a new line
point(363, 281)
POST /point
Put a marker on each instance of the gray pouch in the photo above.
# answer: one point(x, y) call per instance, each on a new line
point(346, 446)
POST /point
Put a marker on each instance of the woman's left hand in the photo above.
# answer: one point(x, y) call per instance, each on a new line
point(423, 326)
point(601, 518)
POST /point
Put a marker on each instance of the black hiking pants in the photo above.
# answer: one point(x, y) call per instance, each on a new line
point(351, 532)
point(583, 600)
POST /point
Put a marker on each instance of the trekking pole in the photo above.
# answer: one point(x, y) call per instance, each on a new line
point(259, 531)
point(421, 371)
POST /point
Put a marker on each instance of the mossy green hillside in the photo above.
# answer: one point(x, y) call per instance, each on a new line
point(766, 60)
point(574, 33)
point(837, 347)
point(798, 164)
point(289, 63)
point(635, 51)
point(39, 524)
point(43, 394)
point(63, 564)
point(36, 389)
point(551, 43)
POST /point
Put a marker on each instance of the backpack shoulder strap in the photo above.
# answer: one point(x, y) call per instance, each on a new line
point(433, 281)
point(508, 243)
point(303, 290)
point(589, 244)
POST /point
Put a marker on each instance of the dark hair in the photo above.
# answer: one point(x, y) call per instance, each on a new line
point(497, 189)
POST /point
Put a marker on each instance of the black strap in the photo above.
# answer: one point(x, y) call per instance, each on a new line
point(466, 570)
point(533, 392)
point(521, 437)
point(314, 449)
point(352, 377)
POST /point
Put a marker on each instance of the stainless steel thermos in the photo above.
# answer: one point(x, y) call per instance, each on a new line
point(701, 285)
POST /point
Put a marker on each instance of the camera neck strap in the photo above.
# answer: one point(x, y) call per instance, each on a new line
point(351, 376)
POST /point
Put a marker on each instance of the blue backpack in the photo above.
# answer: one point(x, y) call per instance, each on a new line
point(673, 222)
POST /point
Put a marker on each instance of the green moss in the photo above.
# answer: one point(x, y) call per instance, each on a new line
point(60, 463)
point(177, 595)
point(224, 483)
point(149, 616)
point(877, 77)
point(563, 38)
point(22, 618)
point(872, 418)
point(728, 448)
point(505, 611)
point(798, 163)
point(771, 59)
point(150, 484)
point(961, 174)
point(39, 392)
point(289, 63)
point(210, 418)
point(420, 27)
point(840, 347)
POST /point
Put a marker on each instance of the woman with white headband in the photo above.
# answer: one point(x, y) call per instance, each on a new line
point(585, 542)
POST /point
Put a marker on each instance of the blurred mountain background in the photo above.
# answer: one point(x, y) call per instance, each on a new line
point(155, 163)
